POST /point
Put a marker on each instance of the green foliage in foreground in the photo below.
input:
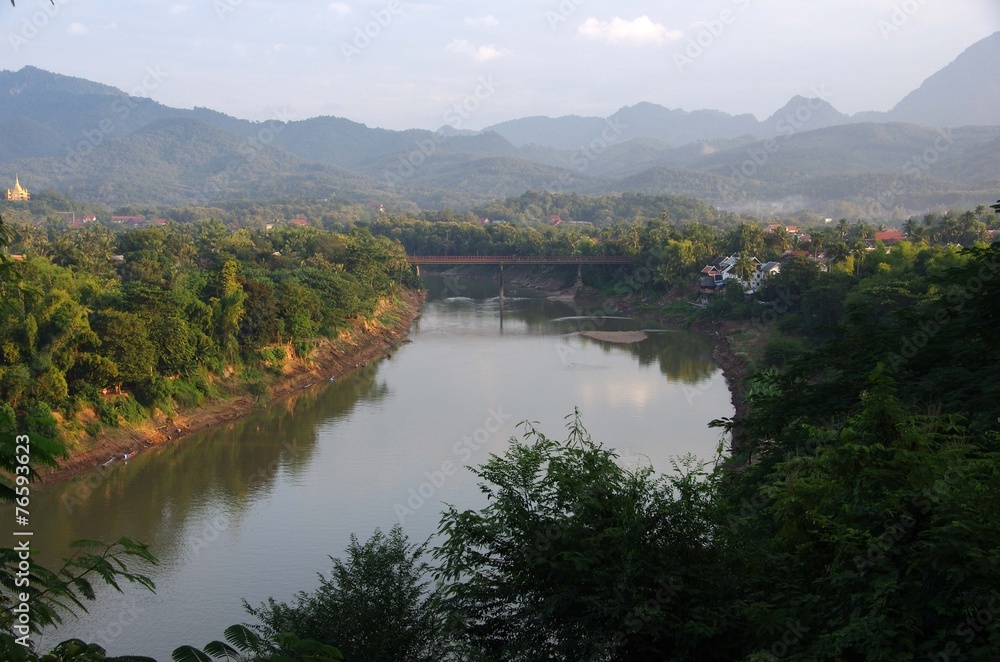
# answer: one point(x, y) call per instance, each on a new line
point(576, 557)
point(381, 582)
point(243, 643)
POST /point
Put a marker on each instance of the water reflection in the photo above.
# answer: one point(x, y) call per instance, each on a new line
point(232, 465)
point(683, 357)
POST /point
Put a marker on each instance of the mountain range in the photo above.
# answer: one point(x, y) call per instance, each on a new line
point(939, 146)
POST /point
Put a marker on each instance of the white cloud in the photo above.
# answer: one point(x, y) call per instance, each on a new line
point(340, 8)
point(77, 28)
point(489, 21)
point(177, 10)
point(479, 53)
point(641, 30)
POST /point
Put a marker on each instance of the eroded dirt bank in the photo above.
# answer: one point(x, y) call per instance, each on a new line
point(363, 342)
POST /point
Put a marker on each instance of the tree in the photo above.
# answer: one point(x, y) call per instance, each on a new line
point(243, 643)
point(745, 267)
point(842, 228)
point(6, 235)
point(746, 238)
point(881, 536)
point(7, 273)
point(376, 605)
point(576, 557)
point(229, 307)
point(125, 341)
point(779, 240)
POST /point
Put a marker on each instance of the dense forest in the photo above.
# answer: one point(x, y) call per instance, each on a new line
point(98, 326)
point(854, 516)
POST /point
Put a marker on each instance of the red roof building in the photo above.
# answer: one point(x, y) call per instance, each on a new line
point(889, 237)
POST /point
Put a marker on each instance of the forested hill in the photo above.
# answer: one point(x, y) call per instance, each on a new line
point(117, 147)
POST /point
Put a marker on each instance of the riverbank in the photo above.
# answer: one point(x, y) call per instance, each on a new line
point(364, 341)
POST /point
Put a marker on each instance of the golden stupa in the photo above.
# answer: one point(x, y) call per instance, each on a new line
point(18, 194)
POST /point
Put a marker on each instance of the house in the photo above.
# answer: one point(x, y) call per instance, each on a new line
point(763, 272)
point(90, 218)
point(555, 219)
point(889, 237)
point(299, 222)
point(790, 229)
point(132, 220)
point(484, 221)
point(722, 269)
point(712, 279)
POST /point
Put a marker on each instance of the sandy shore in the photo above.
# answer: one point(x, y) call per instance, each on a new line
point(616, 336)
point(355, 347)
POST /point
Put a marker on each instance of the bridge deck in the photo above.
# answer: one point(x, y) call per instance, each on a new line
point(519, 259)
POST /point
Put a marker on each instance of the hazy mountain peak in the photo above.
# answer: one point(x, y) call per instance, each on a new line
point(33, 79)
point(803, 114)
point(965, 92)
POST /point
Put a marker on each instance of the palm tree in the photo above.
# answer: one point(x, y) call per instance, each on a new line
point(837, 252)
point(782, 239)
point(842, 227)
point(746, 238)
point(816, 242)
point(864, 229)
point(745, 267)
point(6, 236)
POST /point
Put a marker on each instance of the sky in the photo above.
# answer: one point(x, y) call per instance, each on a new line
point(471, 64)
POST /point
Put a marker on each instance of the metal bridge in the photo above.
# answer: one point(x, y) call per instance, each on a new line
point(510, 260)
point(519, 259)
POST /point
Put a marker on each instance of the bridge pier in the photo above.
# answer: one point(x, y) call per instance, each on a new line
point(501, 286)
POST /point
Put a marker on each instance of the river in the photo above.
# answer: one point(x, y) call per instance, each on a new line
point(253, 508)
